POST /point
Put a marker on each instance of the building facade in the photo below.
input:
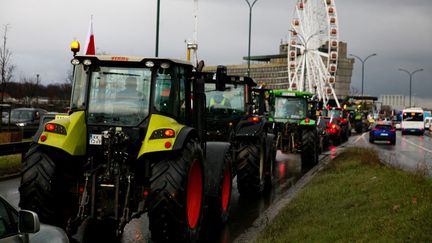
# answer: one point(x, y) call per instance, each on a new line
point(272, 70)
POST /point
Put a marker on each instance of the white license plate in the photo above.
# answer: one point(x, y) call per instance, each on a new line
point(95, 139)
point(384, 134)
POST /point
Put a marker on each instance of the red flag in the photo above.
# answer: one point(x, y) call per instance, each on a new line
point(90, 48)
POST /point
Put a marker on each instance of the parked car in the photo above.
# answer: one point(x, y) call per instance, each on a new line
point(383, 131)
point(23, 226)
point(27, 119)
point(5, 117)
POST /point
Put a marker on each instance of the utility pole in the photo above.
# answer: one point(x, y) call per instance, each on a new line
point(250, 30)
point(157, 28)
point(37, 90)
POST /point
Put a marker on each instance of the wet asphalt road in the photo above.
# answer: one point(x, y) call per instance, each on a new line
point(411, 152)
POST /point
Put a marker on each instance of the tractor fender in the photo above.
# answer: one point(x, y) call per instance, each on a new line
point(214, 160)
point(183, 136)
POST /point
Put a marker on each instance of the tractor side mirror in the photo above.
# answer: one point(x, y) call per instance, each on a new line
point(221, 76)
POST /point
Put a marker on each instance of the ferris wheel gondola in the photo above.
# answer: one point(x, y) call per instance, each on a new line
point(313, 48)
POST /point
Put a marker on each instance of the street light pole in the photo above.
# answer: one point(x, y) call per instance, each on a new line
point(37, 89)
point(157, 28)
point(410, 81)
point(250, 30)
point(363, 62)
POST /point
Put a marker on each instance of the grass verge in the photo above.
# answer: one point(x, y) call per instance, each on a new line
point(357, 198)
point(10, 164)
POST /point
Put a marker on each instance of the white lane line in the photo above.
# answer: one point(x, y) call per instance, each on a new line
point(355, 141)
point(428, 150)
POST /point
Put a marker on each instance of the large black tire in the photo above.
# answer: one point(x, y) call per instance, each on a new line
point(43, 188)
point(309, 150)
point(250, 167)
point(219, 207)
point(175, 206)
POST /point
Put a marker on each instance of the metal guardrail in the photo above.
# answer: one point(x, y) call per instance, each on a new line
point(14, 148)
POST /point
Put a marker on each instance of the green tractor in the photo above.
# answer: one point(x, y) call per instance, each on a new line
point(294, 115)
point(230, 118)
point(117, 155)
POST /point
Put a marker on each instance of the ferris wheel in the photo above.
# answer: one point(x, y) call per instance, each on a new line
point(313, 48)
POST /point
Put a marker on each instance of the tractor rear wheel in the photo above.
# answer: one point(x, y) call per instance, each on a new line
point(250, 167)
point(175, 206)
point(43, 188)
point(309, 150)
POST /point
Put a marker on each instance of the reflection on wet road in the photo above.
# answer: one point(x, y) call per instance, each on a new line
point(411, 152)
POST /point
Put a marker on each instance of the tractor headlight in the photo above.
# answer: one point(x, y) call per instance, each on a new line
point(149, 64)
point(75, 61)
point(87, 62)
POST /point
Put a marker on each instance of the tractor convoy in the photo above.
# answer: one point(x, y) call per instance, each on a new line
point(161, 137)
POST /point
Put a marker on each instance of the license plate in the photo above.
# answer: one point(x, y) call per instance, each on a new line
point(95, 139)
point(384, 134)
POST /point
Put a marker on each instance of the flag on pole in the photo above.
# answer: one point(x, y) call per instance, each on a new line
point(90, 48)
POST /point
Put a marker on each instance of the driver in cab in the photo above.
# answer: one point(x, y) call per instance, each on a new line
point(219, 101)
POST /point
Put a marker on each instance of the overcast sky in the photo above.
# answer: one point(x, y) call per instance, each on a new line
point(399, 31)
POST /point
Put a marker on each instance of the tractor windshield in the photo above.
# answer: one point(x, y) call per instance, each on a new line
point(119, 96)
point(289, 108)
point(228, 102)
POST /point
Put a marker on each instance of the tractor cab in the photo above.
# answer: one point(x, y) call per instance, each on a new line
point(228, 100)
point(292, 107)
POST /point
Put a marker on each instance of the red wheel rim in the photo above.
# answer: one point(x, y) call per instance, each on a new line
point(194, 194)
point(226, 189)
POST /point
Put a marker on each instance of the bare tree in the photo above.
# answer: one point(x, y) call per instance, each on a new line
point(29, 89)
point(6, 66)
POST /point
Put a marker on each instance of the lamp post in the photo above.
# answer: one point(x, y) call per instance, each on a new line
point(37, 89)
point(363, 62)
point(410, 81)
point(250, 27)
point(157, 28)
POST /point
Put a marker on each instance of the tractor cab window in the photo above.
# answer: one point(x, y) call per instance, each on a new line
point(229, 102)
point(119, 96)
point(79, 89)
point(170, 93)
point(289, 108)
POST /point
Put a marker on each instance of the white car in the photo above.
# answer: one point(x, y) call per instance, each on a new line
point(23, 226)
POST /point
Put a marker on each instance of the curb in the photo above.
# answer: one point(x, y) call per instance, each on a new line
point(9, 176)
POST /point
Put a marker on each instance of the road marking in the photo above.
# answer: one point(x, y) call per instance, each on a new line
point(360, 137)
point(406, 140)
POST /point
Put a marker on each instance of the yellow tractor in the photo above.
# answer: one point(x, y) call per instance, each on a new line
point(133, 143)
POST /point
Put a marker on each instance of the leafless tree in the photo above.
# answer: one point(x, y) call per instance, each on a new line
point(29, 88)
point(6, 67)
